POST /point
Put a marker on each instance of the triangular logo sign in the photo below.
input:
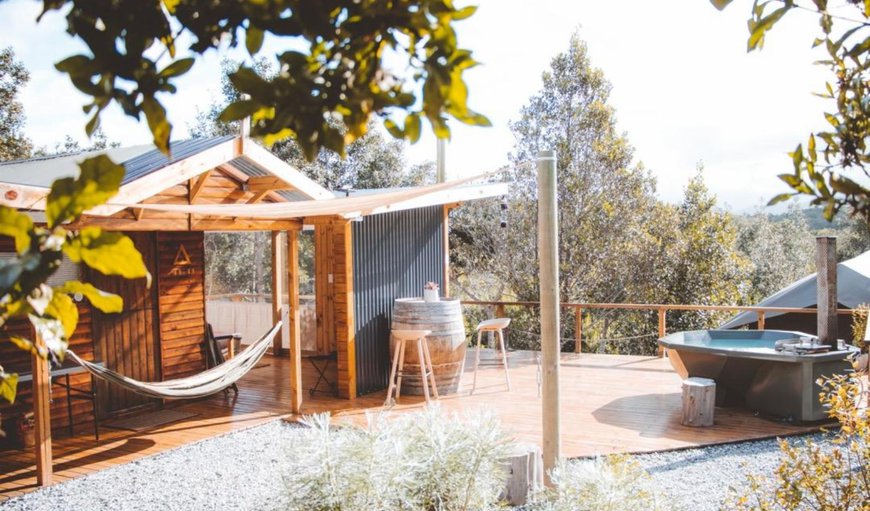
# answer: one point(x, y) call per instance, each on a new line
point(182, 258)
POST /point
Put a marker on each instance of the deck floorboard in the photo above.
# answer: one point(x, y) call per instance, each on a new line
point(610, 404)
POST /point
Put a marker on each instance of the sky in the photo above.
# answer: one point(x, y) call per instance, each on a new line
point(684, 88)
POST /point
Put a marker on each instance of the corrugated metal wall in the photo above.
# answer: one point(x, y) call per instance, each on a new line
point(394, 255)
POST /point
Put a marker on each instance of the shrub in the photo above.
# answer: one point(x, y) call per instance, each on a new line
point(819, 477)
point(422, 461)
point(612, 483)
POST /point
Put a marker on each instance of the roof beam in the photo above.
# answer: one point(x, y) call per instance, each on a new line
point(266, 184)
point(258, 196)
point(197, 185)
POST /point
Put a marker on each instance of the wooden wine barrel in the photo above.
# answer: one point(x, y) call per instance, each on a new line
point(446, 342)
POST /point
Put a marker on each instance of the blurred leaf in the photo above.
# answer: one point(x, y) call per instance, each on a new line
point(253, 40)
point(16, 225)
point(157, 122)
point(8, 385)
point(63, 309)
point(412, 127)
point(106, 302)
point(110, 253)
point(177, 68)
point(99, 179)
point(720, 4)
point(780, 198)
point(238, 110)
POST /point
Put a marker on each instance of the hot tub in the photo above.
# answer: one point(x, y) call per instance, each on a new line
point(750, 372)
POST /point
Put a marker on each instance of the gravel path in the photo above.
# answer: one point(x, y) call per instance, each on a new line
point(242, 471)
point(702, 479)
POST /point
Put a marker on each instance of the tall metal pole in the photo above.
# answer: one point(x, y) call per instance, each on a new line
point(440, 161)
point(826, 290)
point(548, 255)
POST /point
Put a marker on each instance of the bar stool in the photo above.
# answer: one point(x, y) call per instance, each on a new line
point(496, 325)
point(426, 371)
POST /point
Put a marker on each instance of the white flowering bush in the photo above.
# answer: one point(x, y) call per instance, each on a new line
point(422, 461)
point(612, 483)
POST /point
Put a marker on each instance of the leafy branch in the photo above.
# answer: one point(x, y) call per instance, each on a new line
point(39, 251)
point(830, 174)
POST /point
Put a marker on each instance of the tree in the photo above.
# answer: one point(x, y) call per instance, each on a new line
point(707, 269)
point(605, 204)
point(778, 252)
point(833, 178)
point(332, 66)
point(98, 142)
point(14, 145)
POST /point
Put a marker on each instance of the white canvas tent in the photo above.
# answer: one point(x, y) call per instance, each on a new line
point(853, 289)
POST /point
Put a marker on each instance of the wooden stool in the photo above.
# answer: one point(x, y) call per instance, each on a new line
point(699, 401)
point(496, 325)
point(403, 337)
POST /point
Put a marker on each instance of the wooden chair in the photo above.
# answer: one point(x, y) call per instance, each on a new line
point(427, 374)
point(216, 345)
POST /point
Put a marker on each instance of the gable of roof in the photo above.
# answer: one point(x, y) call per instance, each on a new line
point(25, 183)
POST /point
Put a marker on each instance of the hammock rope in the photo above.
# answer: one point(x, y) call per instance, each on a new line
point(199, 385)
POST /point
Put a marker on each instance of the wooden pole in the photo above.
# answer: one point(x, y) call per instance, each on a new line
point(826, 290)
point(293, 322)
point(578, 330)
point(548, 254)
point(663, 330)
point(277, 291)
point(42, 416)
point(445, 234)
point(760, 320)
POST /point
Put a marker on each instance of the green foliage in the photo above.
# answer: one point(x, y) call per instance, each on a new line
point(14, 145)
point(812, 476)
point(860, 314)
point(779, 251)
point(618, 242)
point(23, 289)
point(428, 460)
point(336, 70)
point(831, 175)
point(612, 483)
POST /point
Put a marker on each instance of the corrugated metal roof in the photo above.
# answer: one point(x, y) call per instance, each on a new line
point(154, 160)
point(138, 161)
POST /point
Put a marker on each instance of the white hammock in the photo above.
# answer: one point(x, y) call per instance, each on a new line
point(202, 384)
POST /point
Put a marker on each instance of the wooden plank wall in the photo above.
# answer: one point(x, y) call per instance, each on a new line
point(181, 303)
point(16, 360)
point(333, 255)
point(128, 342)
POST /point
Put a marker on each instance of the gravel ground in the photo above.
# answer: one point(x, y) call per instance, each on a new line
point(701, 479)
point(242, 471)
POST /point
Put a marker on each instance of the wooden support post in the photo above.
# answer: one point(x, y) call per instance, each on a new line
point(826, 290)
point(499, 311)
point(548, 255)
point(277, 291)
point(663, 329)
point(445, 234)
point(760, 320)
point(578, 330)
point(293, 323)
point(42, 416)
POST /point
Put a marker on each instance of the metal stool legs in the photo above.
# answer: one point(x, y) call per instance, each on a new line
point(496, 326)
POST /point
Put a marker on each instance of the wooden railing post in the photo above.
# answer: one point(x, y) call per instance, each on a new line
point(42, 416)
point(499, 311)
point(663, 330)
point(578, 329)
point(761, 320)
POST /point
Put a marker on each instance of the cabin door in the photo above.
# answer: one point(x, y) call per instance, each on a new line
point(127, 342)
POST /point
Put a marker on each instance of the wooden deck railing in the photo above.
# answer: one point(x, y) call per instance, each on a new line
point(662, 309)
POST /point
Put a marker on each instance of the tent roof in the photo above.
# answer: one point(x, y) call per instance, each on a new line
point(853, 289)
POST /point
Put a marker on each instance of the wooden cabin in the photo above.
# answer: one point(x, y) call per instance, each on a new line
point(363, 260)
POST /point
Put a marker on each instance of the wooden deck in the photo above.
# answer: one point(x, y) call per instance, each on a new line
point(610, 404)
